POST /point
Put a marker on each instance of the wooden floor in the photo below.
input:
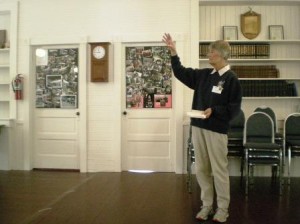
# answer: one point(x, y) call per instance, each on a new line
point(43, 197)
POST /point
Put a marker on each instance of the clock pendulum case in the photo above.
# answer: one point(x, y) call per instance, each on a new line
point(99, 62)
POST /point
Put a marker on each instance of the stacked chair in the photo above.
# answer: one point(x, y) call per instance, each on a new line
point(260, 146)
point(291, 132)
point(257, 142)
point(278, 137)
point(235, 138)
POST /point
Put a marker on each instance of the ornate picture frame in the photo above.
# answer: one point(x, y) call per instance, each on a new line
point(250, 24)
point(276, 32)
point(230, 33)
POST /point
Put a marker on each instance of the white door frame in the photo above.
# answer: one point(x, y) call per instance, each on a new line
point(82, 44)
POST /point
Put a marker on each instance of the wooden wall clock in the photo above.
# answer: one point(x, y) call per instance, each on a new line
point(99, 62)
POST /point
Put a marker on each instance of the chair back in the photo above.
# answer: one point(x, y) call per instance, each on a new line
point(270, 112)
point(236, 126)
point(291, 127)
point(259, 127)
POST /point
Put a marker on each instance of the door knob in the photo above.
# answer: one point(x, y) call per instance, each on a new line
point(77, 113)
point(124, 113)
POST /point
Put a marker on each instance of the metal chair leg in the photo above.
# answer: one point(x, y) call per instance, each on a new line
point(289, 165)
point(280, 174)
point(246, 171)
point(189, 175)
point(242, 169)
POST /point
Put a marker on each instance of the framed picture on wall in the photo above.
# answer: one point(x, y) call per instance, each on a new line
point(230, 33)
point(276, 32)
point(68, 101)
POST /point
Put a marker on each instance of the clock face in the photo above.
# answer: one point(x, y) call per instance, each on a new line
point(99, 52)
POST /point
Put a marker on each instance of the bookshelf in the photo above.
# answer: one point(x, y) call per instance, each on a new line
point(257, 80)
point(4, 85)
point(283, 54)
point(8, 63)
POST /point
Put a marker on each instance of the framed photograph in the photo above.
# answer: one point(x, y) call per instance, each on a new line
point(276, 32)
point(162, 101)
point(39, 102)
point(54, 81)
point(230, 33)
point(68, 101)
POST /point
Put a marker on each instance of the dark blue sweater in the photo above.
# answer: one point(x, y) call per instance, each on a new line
point(225, 105)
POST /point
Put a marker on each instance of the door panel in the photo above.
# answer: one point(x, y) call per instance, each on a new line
point(147, 140)
point(56, 139)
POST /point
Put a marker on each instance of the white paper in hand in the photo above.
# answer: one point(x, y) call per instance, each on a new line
point(196, 114)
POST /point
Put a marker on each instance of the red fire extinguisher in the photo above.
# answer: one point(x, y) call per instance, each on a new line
point(17, 85)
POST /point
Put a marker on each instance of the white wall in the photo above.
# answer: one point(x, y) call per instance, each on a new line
point(113, 21)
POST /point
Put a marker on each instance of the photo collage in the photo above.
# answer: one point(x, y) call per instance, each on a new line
point(148, 77)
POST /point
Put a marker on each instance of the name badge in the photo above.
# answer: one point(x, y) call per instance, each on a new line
point(217, 89)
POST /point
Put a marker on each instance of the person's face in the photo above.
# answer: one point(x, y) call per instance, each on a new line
point(214, 57)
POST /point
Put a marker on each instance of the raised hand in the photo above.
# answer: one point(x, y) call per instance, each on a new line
point(167, 39)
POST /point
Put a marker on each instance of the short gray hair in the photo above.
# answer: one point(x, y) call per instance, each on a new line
point(222, 46)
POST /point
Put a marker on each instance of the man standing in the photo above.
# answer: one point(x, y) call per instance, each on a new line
point(218, 93)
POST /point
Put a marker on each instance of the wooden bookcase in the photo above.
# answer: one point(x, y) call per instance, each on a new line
point(8, 70)
point(284, 54)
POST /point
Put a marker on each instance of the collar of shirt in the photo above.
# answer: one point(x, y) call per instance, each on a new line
point(221, 71)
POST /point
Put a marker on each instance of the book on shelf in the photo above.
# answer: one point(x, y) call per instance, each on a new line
point(255, 71)
point(268, 88)
point(241, 50)
point(2, 38)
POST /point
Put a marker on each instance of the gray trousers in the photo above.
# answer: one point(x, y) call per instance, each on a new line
point(211, 166)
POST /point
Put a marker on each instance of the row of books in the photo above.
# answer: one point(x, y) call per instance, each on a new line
point(256, 71)
point(241, 50)
point(2, 38)
point(268, 88)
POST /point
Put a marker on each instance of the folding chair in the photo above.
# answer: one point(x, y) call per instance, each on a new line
point(277, 135)
point(235, 138)
point(260, 146)
point(291, 131)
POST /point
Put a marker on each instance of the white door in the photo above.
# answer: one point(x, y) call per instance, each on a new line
point(147, 133)
point(147, 140)
point(57, 118)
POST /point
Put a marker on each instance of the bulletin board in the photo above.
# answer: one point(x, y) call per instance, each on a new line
point(148, 77)
point(57, 78)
